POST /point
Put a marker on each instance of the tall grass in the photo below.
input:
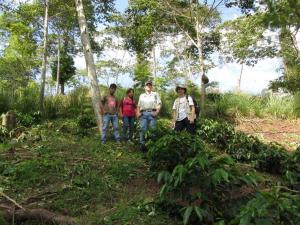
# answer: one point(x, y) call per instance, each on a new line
point(243, 105)
point(23, 99)
point(75, 103)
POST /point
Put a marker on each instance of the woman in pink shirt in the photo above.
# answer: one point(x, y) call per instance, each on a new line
point(127, 111)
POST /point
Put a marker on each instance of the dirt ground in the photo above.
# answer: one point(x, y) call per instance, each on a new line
point(285, 132)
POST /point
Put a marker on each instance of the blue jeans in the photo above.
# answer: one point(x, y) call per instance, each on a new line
point(128, 124)
point(114, 120)
point(146, 120)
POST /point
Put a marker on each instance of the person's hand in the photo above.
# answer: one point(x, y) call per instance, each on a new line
point(154, 113)
point(192, 121)
point(172, 125)
point(138, 114)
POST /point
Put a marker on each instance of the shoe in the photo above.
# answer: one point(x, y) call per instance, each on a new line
point(102, 142)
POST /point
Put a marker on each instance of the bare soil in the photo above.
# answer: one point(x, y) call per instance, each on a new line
point(285, 132)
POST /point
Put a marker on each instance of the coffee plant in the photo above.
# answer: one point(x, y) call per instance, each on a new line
point(244, 148)
point(274, 207)
point(292, 170)
point(202, 186)
point(172, 149)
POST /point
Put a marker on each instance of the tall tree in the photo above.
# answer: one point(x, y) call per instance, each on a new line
point(66, 68)
point(269, 31)
point(89, 59)
point(44, 60)
point(197, 21)
point(139, 27)
point(18, 54)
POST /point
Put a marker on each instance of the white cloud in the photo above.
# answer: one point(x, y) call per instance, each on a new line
point(254, 79)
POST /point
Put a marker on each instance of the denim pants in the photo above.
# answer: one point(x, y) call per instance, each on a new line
point(146, 120)
point(114, 120)
point(128, 124)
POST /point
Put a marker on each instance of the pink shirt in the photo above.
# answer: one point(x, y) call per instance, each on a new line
point(128, 107)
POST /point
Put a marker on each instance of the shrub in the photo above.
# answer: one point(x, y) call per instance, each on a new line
point(292, 169)
point(3, 133)
point(244, 148)
point(172, 149)
point(271, 159)
point(28, 119)
point(202, 184)
point(275, 207)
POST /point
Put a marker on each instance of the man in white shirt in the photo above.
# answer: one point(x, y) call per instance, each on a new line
point(147, 109)
point(183, 111)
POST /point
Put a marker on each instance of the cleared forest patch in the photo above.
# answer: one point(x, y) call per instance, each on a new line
point(53, 168)
point(285, 132)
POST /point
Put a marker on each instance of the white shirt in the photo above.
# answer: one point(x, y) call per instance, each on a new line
point(182, 114)
point(148, 101)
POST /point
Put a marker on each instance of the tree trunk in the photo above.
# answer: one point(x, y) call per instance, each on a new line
point(91, 69)
point(154, 62)
point(44, 63)
point(58, 67)
point(240, 78)
point(201, 67)
point(62, 88)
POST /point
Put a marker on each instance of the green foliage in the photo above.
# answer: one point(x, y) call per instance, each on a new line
point(4, 134)
point(244, 148)
point(297, 103)
point(201, 184)
point(142, 19)
point(86, 121)
point(2, 220)
point(19, 58)
point(28, 119)
point(75, 103)
point(67, 68)
point(231, 105)
point(172, 149)
point(292, 170)
point(23, 99)
point(4, 102)
point(274, 207)
point(272, 158)
point(142, 71)
point(242, 35)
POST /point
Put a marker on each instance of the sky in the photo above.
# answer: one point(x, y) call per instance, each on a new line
point(254, 79)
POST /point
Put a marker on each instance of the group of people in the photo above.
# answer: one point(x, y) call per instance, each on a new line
point(146, 110)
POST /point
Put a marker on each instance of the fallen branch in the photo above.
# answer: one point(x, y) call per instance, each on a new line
point(11, 200)
point(42, 215)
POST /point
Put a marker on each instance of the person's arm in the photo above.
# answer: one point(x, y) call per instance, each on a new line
point(173, 115)
point(192, 108)
point(192, 114)
point(158, 105)
point(102, 105)
point(121, 108)
point(138, 110)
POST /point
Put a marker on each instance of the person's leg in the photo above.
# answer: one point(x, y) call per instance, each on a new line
point(152, 121)
point(179, 125)
point(143, 127)
point(131, 126)
point(115, 123)
point(190, 127)
point(125, 127)
point(105, 121)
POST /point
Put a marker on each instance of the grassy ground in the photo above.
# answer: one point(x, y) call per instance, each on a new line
point(54, 168)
